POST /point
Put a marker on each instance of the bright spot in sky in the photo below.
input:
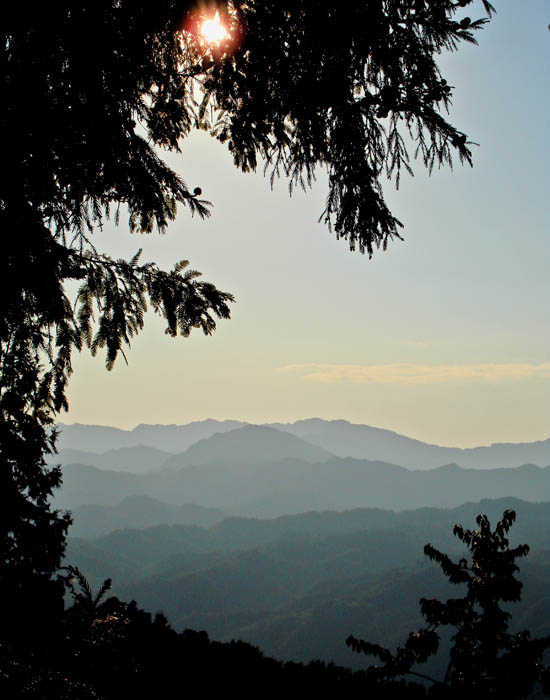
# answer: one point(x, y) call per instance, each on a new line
point(213, 30)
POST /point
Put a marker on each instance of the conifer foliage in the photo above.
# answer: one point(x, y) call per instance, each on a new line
point(77, 79)
point(346, 86)
point(486, 660)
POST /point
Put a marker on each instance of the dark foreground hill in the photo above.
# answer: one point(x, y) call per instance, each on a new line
point(116, 650)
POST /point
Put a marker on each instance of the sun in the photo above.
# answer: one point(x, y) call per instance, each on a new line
point(213, 31)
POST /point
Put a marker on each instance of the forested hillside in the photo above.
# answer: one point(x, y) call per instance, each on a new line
point(297, 586)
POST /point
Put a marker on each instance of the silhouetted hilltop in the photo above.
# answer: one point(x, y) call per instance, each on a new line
point(171, 438)
point(346, 439)
point(251, 444)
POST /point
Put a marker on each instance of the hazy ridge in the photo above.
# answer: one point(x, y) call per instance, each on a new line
point(292, 486)
point(338, 437)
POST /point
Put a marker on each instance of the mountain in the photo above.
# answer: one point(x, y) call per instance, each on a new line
point(84, 484)
point(346, 439)
point(319, 537)
point(251, 444)
point(137, 460)
point(293, 486)
point(170, 438)
point(298, 585)
point(92, 438)
point(138, 512)
point(337, 437)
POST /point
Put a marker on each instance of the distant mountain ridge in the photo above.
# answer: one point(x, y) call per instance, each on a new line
point(138, 512)
point(292, 486)
point(250, 444)
point(346, 439)
point(337, 437)
point(164, 545)
point(170, 438)
point(137, 460)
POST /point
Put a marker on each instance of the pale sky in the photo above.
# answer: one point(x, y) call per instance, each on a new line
point(444, 337)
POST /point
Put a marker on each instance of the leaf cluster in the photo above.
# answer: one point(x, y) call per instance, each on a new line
point(115, 294)
point(39, 330)
point(351, 87)
point(89, 90)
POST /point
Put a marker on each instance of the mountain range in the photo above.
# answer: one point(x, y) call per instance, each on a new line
point(298, 585)
point(337, 437)
point(292, 536)
point(288, 487)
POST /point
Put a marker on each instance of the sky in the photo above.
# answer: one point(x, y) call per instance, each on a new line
point(444, 337)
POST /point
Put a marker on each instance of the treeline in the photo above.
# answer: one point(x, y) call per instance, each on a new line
point(103, 649)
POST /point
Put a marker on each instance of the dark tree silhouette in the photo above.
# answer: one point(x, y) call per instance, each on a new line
point(92, 90)
point(486, 660)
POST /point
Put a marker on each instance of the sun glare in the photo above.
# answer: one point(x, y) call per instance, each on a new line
point(213, 31)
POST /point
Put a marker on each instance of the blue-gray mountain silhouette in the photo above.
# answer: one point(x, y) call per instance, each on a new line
point(251, 444)
point(338, 437)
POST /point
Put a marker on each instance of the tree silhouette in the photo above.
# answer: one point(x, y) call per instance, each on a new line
point(485, 660)
point(92, 91)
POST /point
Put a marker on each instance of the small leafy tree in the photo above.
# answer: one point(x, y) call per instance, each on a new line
point(486, 660)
